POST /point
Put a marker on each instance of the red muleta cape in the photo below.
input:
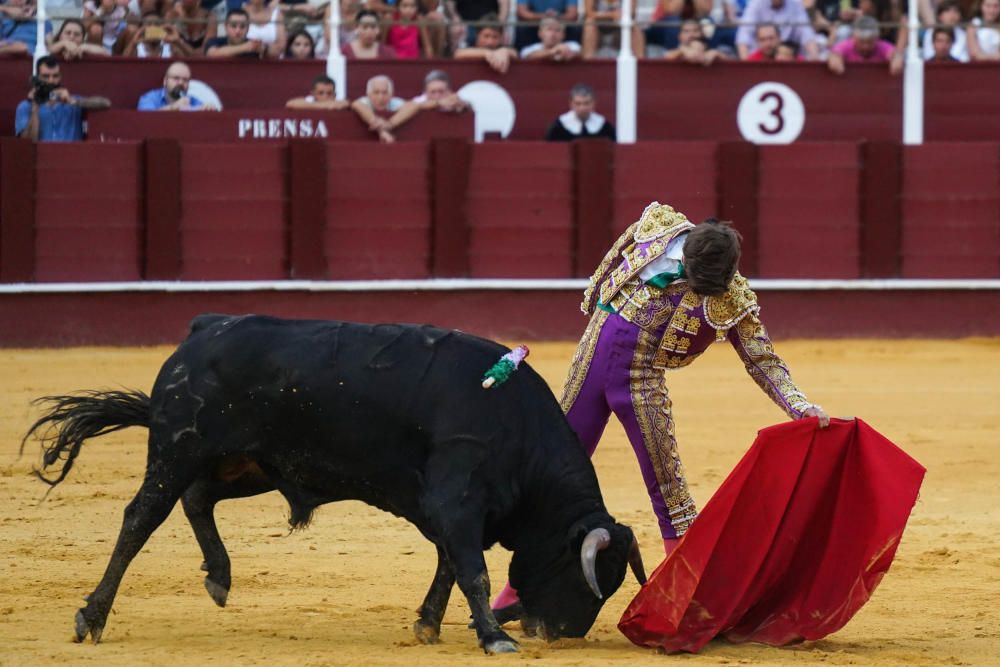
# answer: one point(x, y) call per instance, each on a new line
point(792, 544)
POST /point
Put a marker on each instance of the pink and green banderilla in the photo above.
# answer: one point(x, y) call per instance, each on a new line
point(501, 371)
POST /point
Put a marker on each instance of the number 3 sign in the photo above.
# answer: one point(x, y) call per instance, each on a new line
point(771, 113)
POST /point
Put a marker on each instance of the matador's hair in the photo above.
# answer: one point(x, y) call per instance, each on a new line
point(711, 254)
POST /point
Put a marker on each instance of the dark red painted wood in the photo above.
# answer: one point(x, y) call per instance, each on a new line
point(678, 102)
point(951, 225)
point(450, 160)
point(17, 210)
point(808, 211)
point(736, 185)
point(162, 195)
point(266, 125)
point(880, 214)
point(233, 224)
point(378, 211)
point(306, 208)
point(520, 210)
point(88, 212)
point(594, 181)
point(136, 318)
point(681, 174)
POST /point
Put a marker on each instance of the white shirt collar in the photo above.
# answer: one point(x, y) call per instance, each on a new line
point(572, 123)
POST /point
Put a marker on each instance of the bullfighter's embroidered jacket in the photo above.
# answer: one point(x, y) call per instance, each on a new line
point(684, 322)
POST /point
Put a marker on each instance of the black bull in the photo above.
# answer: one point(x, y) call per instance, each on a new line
point(392, 415)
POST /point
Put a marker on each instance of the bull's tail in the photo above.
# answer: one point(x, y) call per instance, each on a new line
point(70, 420)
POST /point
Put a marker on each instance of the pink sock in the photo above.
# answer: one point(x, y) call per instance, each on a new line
point(669, 544)
point(507, 597)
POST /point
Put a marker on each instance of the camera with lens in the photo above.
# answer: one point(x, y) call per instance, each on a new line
point(43, 90)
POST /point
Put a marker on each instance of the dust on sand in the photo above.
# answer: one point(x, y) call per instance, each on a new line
point(345, 590)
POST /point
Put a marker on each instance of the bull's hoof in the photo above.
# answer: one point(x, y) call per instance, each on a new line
point(426, 632)
point(217, 592)
point(501, 646)
point(85, 627)
point(529, 626)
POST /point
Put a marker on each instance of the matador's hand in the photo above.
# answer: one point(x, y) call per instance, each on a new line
point(816, 411)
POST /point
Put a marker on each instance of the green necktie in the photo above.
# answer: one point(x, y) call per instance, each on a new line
point(661, 280)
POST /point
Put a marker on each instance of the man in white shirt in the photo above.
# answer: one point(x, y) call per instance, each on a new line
point(552, 46)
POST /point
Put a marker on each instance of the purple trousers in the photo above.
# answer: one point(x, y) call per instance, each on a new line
point(612, 371)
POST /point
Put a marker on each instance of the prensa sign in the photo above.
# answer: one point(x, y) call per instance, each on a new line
point(280, 128)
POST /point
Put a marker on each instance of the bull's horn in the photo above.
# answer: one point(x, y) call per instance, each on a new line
point(596, 540)
point(635, 562)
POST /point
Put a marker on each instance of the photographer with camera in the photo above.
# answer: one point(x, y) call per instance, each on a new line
point(51, 113)
point(173, 96)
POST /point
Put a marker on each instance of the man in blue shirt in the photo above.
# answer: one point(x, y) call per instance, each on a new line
point(19, 29)
point(173, 96)
point(50, 113)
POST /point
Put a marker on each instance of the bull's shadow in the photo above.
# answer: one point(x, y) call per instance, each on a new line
point(392, 415)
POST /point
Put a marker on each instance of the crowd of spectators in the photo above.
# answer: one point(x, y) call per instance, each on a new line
point(697, 32)
point(701, 32)
point(50, 112)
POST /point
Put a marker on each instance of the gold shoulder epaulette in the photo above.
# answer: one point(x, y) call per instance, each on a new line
point(725, 311)
point(658, 220)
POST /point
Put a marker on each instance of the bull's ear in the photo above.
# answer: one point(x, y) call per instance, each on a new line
point(575, 535)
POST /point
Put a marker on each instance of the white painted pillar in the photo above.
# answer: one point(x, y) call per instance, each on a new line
point(41, 49)
point(913, 84)
point(626, 80)
point(336, 63)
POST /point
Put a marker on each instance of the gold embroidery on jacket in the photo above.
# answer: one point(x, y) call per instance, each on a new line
point(765, 367)
point(724, 311)
point(657, 221)
point(581, 360)
point(658, 225)
point(600, 273)
point(672, 351)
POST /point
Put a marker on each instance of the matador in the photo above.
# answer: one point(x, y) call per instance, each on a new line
point(664, 292)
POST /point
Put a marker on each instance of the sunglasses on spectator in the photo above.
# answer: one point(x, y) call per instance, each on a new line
point(238, 24)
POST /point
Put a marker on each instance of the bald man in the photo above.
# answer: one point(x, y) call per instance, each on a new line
point(173, 96)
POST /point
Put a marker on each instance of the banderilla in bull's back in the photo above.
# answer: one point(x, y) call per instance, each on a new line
point(387, 414)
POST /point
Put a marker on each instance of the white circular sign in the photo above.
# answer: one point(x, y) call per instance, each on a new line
point(771, 113)
point(493, 106)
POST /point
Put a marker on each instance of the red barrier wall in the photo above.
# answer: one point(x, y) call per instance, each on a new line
point(682, 174)
point(273, 210)
point(233, 213)
point(520, 211)
point(959, 104)
point(679, 102)
point(136, 318)
point(808, 211)
point(87, 213)
point(951, 211)
point(378, 211)
point(266, 125)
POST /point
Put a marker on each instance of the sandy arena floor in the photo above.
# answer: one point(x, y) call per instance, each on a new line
point(343, 592)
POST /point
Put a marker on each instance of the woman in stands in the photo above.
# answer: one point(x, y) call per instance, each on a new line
point(984, 32)
point(194, 23)
point(68, 43)
point(366, 44)
point(266, 25)
point(300, 46)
